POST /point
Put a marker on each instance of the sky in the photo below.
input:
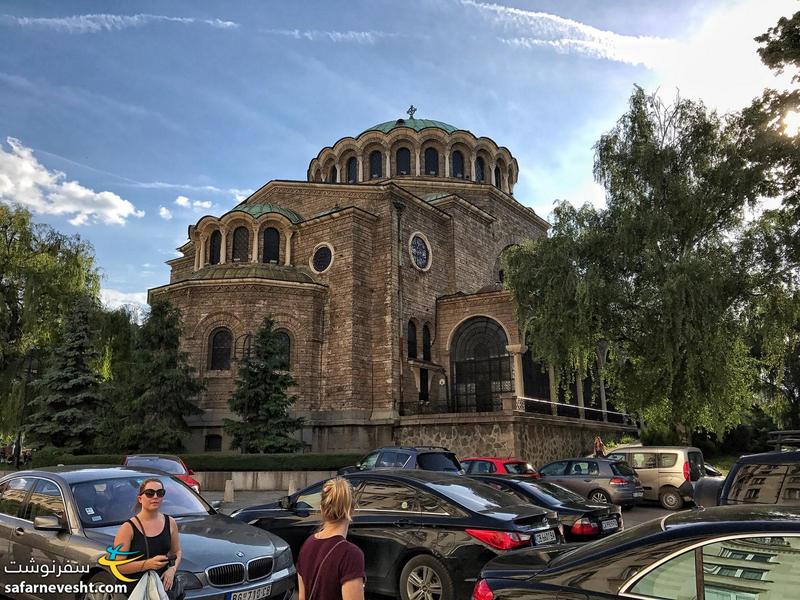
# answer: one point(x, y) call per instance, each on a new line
point(125, 122)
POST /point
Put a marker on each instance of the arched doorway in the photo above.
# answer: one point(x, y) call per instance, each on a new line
point(480, 366)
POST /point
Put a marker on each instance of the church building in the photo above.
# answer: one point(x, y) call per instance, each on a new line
point(383, 274)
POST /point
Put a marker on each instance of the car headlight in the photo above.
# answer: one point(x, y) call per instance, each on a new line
point(283, 560)
point(190, 580)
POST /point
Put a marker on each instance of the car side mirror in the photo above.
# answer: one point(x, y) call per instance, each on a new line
point(285, 503)
point(48, 523)
point(189, 472)
point(216, 504)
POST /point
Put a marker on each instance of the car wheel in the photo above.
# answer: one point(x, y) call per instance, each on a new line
point(425, 578)
point(599, 496)
point(104, 579)
point(670, 499)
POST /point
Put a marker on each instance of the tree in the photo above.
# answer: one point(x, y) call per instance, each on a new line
point(261, 398)
point(68, 404)
point(163, 388)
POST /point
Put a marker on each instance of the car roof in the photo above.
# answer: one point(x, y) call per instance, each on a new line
point(584, 458)
point(79, 473)
point(775, 457)
point(655, 448)
point(495, 458)
point(734, 514)
point(413, 449)
point(167, 456)
point(416, 475)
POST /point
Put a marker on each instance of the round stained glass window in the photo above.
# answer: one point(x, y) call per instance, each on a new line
point(322, 259)
point(420, 252)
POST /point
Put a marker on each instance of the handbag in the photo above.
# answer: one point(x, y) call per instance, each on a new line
point(177, 591)
point(319, 570)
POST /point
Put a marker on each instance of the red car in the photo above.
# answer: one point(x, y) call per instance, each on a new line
point(486, 465)
point(167, 463)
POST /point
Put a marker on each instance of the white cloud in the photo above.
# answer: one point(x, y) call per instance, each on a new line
point(182, 201)
point(96, 23)
point(134, 302)
point(196, 205)
point(313, 35)
point(24, 181)
point(201, 204)
point(164, 213)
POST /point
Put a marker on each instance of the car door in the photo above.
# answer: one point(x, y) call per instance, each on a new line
point(646, 466)
point(295, 523)
point(13, 527)
point(555, 472)
point(581, 476)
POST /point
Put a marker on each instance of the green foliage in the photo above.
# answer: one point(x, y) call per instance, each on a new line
point(162, 390)
point(261, 398)
point(65, 411)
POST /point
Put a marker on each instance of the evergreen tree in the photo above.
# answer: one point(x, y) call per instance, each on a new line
point(261, 398)
point(66, 409)
point(163, 388)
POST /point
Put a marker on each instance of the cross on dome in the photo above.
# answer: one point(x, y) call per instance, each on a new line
point(411, 110)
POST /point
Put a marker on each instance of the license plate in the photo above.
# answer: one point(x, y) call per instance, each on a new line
point(545, 537)
point(609, 525)
point(254, 594)
point(638, 494)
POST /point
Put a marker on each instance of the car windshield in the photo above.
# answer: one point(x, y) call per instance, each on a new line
point(106, 502)
point(552, 493)
point(473, 495)
point(591, 550)
point(519, 468)
point(168, 465)
point(438, 461)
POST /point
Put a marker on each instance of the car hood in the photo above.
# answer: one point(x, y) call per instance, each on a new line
point(208, 540)
point(523, 564)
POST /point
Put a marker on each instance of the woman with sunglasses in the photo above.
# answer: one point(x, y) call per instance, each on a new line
point(161, 534)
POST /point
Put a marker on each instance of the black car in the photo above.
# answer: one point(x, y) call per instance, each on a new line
point(427, 458)
point(417, 525)
point(724, 553)
point(582, 520)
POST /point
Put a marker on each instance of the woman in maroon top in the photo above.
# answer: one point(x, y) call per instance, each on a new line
point(329, 567)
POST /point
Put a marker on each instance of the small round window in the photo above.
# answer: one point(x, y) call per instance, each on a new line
point(420, 252)
point(322, 258)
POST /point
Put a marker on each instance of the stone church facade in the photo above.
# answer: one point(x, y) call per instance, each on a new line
point(382, 272)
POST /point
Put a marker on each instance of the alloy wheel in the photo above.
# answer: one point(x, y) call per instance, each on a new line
point(599, 497)
point(424, 584)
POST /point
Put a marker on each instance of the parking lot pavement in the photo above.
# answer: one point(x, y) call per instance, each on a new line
point(642, 513)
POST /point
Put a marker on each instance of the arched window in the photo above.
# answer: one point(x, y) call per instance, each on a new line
point(272, 245)
point(497, 181)
point(431, 161)
point(403, 160)
point(480, 170)
point(332, 175)
point(214, 247)
point(376, 164)
point(426, 343)
point(412, 340)
point(241, 244)
point(480, 366)
point(352, 170)
point(458, 165)
point(284, 348)
point(219, 349)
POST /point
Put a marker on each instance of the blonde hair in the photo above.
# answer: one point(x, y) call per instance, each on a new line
point(337, 502)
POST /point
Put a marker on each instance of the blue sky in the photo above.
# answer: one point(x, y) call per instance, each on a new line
point(126, 121)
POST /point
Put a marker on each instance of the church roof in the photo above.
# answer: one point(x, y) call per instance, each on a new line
point(415, 124)
point(252, 270)
point(257, 210)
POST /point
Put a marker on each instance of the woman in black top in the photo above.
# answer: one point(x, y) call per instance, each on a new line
point(162, 537)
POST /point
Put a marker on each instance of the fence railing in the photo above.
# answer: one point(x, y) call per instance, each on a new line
point(546, 407)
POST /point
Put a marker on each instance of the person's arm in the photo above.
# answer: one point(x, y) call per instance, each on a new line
point(301, 588)
point(174, 548)
point(123, 538)
point(353, 589)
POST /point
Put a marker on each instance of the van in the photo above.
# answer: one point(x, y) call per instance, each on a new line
point(667, 473)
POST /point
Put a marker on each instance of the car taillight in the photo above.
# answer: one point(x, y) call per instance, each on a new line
point(502, 540)
point(584, 527)
point(686, 472)
point(482, 591)
point(618, 481)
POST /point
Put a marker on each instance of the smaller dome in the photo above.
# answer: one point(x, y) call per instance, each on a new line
point(415, 124)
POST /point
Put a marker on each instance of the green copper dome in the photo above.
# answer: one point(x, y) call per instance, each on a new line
point(257, 210)
point(415, 124)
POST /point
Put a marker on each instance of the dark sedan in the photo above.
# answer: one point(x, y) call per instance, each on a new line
point(726, 553)
point(418, 529)
point(582, 520)
point(56, 525)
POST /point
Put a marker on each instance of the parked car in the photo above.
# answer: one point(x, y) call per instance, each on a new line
point(427, 458)
point(64, 516)
point(726, 553)
point(416, 527)
point(581, 520)
point(164, 462)
point(712, 471)
point(667, 473)
point(510, 466)
point(597, 479)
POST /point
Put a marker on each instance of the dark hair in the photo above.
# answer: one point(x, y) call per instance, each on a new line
point(138, 506)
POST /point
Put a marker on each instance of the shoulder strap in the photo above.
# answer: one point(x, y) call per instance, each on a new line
point(319, 569)
point(144, 535)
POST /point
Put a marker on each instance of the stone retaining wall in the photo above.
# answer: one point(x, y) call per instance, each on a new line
point(260, 480)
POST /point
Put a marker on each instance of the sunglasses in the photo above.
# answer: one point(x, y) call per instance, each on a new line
point(151, 493)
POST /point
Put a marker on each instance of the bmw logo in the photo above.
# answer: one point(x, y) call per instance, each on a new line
point(240, 554)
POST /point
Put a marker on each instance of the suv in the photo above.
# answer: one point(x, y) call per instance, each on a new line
point(427, 458)
point(667, 473)
point(767, 478)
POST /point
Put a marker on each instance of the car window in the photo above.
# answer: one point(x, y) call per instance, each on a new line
point(430, 504)
point(695, 465)
point(667, 460)
point(14, 495)
point(556, 468)
point(751, 568)
point(519, 468)
point(45, 501)
point(502, 487)
point(673, 580)
point(168, 465)
point(390, 458)
point(387, 496)
point(584, 467)
point(474, 495)
point(482, 466)
point(643, 460)
point(762, 484)
point(618, 456)
point(622, 469)
point(438, 461)
point(368, 462)
point(468, 465)
point(310, 499)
